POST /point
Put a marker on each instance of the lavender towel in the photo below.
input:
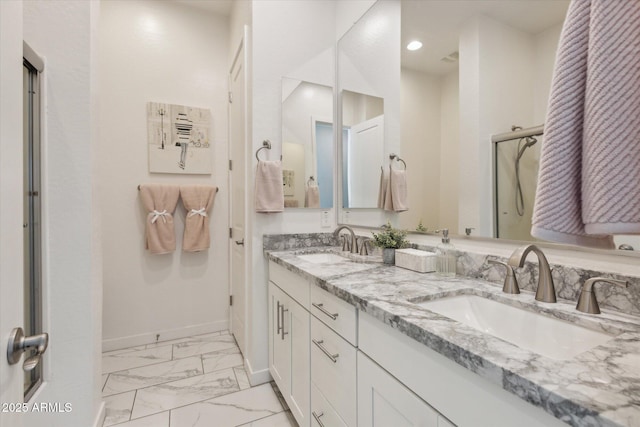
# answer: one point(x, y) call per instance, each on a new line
point(589, 179)
point(269, 194)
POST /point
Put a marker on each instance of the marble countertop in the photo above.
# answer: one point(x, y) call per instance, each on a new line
point(600, 387)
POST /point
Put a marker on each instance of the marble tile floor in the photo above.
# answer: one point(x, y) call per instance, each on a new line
point(197, 381)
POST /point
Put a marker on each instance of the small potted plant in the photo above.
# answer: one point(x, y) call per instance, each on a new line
point(390, 239)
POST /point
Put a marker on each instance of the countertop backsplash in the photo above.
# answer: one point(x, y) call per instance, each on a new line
point(568, 280)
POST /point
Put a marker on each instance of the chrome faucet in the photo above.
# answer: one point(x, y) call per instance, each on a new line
point(546, 291)
point(354, 243)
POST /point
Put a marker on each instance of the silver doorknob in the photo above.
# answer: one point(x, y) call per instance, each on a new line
point(18, 344)
point(240, 242)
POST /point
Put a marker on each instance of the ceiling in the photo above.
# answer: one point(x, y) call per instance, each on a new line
point(437, 22)
point(219, 7)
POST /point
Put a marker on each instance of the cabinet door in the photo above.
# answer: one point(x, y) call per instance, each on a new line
point(384, 401)
point(297, 333)
point(279, 347)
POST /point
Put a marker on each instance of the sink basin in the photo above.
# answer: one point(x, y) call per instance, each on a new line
point(323, 258)
point(547, 336)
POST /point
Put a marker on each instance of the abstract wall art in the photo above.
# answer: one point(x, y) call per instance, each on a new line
point(178, 139)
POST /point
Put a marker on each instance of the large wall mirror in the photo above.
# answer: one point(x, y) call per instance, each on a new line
point(484, 70)
point(369, 101)
point(307, 144)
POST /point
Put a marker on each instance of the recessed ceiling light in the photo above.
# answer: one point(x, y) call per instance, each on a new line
point(414, 45)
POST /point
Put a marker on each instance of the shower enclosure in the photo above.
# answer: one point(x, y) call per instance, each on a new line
point(516, 156)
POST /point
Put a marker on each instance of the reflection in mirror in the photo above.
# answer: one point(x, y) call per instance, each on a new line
point(362, 148)
point(485, 66)
point(307, 144)
point(516, 176)
point(369, 98)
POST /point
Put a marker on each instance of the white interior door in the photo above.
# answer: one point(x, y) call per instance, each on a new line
point(366, 149)
point(237, 180)
point(11, 263)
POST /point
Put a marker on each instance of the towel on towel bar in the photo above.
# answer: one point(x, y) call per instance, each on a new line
point(398, 185)
point(589, 179)
point(160, 202)
point(312, 196)
point(382, 193)
point(269, 194)
point(395, 196)
point(198, 201)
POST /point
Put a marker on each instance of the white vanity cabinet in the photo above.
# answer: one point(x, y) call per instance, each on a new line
point(337, 366)
point(289, 349)
point(384, 401)
point(333, 370)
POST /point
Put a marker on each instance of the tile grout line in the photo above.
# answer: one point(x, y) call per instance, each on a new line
point(133, 404)
point(179, 379)
point(164, 361)
point(199, 401)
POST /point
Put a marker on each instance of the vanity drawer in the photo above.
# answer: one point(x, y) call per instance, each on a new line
point(335, 313)
point(295, 286)
point(333, 370)
point(322, 413)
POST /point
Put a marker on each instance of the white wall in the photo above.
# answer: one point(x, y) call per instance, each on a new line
point(449, 151)
point(496, 70)
point(163, 52)
point(420, 147)
point(63, 32)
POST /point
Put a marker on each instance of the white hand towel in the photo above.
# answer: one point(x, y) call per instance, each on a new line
point(589, 179)
point(160, 202)
point(269, 193)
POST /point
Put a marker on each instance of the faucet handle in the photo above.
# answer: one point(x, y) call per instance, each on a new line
point(345, 243)
point(363, 245)
point(587, 302)
point(510, 281)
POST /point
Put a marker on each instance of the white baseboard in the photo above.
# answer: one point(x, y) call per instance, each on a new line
point(256, 377)
point(169, 334)
point(100, 417)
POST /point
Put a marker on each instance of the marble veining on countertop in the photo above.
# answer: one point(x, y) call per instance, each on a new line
point(599, 387)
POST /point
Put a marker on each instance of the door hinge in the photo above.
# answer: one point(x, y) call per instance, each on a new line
point(230, 299)
point(230, 97)
point(230, 165)
point(230, 232)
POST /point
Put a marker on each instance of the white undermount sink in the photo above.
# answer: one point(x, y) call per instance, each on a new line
point(322, 258)
point(547, 336)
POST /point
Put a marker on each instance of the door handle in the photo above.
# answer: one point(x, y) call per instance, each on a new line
point(18, 344)
point(240, 242)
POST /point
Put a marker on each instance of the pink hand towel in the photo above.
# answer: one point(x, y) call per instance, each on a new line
point(398, 185)
point(160, 202)
point(198, 201)
point(312, 197)
point(589, 179)
point(269, 194)
point(382, 193)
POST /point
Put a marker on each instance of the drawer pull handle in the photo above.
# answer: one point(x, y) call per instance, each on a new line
point(320, 307)
point(333, 357)
point(283, 312)
point(278, 318)
point(317, 417)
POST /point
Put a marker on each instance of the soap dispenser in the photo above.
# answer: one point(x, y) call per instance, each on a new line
point(446, 253)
